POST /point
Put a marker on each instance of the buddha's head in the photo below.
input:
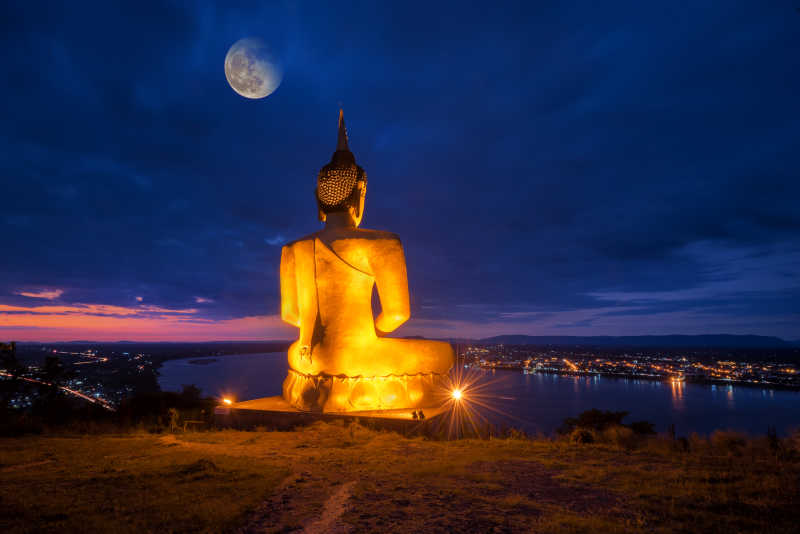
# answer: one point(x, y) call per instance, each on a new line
point(341, 184)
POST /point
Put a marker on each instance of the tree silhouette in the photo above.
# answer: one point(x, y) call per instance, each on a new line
point(10, 386)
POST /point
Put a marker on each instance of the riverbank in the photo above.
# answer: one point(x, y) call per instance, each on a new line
point(535, 403)
point(198, 355)
point(338, 478)
point(651, 377)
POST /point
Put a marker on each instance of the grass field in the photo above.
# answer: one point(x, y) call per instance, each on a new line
point(329, 478)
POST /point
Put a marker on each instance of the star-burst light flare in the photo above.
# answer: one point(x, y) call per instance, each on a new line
point(470, 398)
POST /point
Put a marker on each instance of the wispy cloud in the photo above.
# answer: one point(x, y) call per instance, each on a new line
point(275, 240)
point(49, 294)
point(592, 322)
point(97, 309)
point(142, 323)
point(203, 300)
point(726, 273)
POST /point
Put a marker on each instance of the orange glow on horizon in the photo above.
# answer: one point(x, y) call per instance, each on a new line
point(101, 322)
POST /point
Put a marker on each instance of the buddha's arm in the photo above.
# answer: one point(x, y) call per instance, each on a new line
point(289, 309)
point(388, 265)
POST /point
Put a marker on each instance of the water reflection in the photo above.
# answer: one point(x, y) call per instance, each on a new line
point(677, 395)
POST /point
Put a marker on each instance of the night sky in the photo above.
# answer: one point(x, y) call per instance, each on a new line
point(595, 168)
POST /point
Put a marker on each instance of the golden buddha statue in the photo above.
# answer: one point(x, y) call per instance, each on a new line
point(341, 361)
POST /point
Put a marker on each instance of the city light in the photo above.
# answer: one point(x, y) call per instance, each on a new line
point(669, 365)
point(227, 401)
point(456, 394)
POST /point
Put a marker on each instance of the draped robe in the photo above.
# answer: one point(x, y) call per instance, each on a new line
point(326, 290)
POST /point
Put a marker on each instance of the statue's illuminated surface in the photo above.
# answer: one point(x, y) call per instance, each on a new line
point(340, 361)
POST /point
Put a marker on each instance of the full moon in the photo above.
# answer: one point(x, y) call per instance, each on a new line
point(251, 70)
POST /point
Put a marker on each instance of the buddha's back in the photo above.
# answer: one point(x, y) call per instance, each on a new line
point(347, 267)
point(340, 267)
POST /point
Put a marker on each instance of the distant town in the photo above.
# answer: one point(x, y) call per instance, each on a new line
point(751, 367)
point(106, 374)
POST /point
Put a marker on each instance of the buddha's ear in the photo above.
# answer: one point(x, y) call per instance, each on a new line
point(359, 191)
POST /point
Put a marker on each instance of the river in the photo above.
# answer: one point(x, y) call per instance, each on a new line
point(536, 402)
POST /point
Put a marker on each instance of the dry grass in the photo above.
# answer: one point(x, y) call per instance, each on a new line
point(125, 484)
point(281, 481)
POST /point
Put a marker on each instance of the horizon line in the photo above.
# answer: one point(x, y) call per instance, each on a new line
point(785, 340)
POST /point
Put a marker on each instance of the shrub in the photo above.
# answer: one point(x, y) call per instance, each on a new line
point(697, 442)
point(728, 442)
point(515, 433)
point(174, 419)
point(582, 435)
point(793, 440)
point(606, 424)
point(597, 420)
point(620, 436)
point(644, 428)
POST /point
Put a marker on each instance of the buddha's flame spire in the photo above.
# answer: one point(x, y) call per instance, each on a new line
point(341, 142)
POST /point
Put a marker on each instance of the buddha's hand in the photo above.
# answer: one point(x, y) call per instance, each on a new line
point(380, 332)
point(388, 322)
point(305, 353)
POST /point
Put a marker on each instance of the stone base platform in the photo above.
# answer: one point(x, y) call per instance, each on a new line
point(340, 393)
point(275, 413)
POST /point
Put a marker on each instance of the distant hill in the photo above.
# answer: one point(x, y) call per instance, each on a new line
point(668, 341)
point(702, 341)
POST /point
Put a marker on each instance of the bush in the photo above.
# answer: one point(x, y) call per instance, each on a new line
point(621, 436)
point(697, 442)
point(596, 420)
point(728, 442)
point(793, 440)
point(515, 433)
point(174, 419)
point(153, 408)
point(644, 428)
point(606, 424)
point(582, 435)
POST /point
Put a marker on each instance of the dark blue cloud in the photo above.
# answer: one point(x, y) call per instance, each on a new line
point(539, 162)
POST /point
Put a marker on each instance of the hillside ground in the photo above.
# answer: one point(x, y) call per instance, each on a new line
point(336, 478)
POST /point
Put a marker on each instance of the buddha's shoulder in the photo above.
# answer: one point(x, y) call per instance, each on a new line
point(366, 233)
point(346, 233)
point(299, 241)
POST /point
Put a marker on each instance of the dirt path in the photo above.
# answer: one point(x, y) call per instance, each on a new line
point(335, 506)
point(24, 466)
point(261, 520)
point(416, 495)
